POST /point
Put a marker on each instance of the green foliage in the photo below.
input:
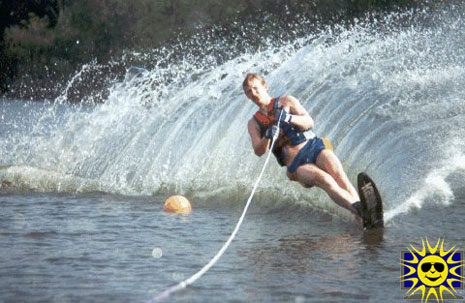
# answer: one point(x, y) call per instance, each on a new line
point(30, 38)
point(30, 42)
point(99, 29)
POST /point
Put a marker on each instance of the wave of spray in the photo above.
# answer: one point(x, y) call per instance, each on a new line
point(385, 90)
point(437, 187)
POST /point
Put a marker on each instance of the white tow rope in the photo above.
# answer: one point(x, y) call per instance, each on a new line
point(165, 294)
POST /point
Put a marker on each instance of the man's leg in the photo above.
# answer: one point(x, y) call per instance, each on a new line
point(310, 174)
point(329, 162)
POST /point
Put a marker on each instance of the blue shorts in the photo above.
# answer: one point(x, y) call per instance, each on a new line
point(308, 153)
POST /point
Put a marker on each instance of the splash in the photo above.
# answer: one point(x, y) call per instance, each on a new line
point(386, 90)
point(435, 189)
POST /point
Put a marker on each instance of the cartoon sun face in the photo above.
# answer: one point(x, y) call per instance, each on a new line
point(432, 270)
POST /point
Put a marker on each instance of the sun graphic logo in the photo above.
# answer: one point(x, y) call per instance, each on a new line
point(432, 273)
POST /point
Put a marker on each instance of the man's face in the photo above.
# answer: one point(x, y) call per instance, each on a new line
point(256, 91)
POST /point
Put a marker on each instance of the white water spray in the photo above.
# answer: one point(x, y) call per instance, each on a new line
point(389, 96)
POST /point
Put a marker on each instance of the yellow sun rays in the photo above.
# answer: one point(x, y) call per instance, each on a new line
point(430, 292)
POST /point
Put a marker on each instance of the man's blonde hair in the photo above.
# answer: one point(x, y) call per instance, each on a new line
point(250, 77)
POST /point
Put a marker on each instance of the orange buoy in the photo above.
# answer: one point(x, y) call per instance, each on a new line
point(177, 204)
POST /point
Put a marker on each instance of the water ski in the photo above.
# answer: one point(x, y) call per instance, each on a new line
point(372, 205)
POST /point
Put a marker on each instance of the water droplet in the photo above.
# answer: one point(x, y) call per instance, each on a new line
point(157, 253)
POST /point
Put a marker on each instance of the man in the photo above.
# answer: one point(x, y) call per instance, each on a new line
point(309, 159)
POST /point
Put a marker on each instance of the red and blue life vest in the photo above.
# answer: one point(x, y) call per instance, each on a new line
point(289, 134)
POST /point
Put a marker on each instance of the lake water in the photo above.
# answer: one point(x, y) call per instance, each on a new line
point(99, 247)
point(82, 185)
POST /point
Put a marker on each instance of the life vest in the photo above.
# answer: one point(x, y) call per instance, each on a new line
point(292, 134)
point(289, 134)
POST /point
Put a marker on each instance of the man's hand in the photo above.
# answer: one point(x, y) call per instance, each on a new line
point(271, 132)
point(282, 115)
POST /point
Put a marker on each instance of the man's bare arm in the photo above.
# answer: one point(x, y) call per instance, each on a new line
point(300, 117)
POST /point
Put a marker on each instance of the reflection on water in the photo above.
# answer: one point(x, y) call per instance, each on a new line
point(125, 248)
point(306, 254)
point(373, 238)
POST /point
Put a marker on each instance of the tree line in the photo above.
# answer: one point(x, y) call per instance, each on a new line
point(45, 41)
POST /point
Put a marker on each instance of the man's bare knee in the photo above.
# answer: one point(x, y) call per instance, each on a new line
point(291, 176)
point(307, 185)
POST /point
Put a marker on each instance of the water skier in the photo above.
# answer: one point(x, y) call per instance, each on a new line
point(309, 159)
